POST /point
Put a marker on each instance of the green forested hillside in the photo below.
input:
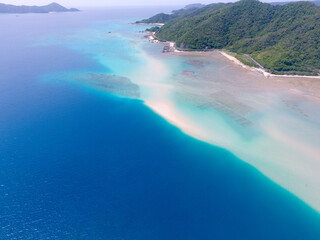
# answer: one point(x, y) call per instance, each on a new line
point(284, 39)
point(158, 18)
point(187, 11)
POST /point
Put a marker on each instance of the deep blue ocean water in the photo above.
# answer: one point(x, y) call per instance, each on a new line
point(76, 163)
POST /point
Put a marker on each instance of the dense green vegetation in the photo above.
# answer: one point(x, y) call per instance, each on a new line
point(153, 29)
point(283, 38)
point(159, 18)
point(243, 58)
point(187, 11)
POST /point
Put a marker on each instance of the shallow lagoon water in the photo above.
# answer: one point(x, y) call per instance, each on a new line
point(244, 121)
point(80, 163)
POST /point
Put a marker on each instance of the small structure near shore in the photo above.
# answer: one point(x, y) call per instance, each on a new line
point(166, 49)
point(168, 46)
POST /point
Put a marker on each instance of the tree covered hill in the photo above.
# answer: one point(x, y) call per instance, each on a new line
point(282, 38)
point(187, 11)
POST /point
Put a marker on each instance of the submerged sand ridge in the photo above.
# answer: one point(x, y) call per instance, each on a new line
point(271, 123)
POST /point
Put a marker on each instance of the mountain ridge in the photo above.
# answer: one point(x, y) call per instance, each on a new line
point(52, 7)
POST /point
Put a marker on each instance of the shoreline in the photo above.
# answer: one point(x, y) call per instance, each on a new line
point(262, 71)
point(249, 113)
point(173, 48)
point(149, 24)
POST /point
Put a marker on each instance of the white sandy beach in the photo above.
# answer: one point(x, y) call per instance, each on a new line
point(265, 73)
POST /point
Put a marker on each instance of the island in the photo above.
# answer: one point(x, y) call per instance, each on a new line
point(53, 7)
point(280, 38)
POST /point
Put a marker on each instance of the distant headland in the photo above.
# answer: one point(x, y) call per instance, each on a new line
point(53, 7)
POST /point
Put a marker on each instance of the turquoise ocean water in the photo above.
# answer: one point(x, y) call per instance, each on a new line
point(79, 162)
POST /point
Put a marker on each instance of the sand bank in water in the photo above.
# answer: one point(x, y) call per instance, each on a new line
point(271, 123)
